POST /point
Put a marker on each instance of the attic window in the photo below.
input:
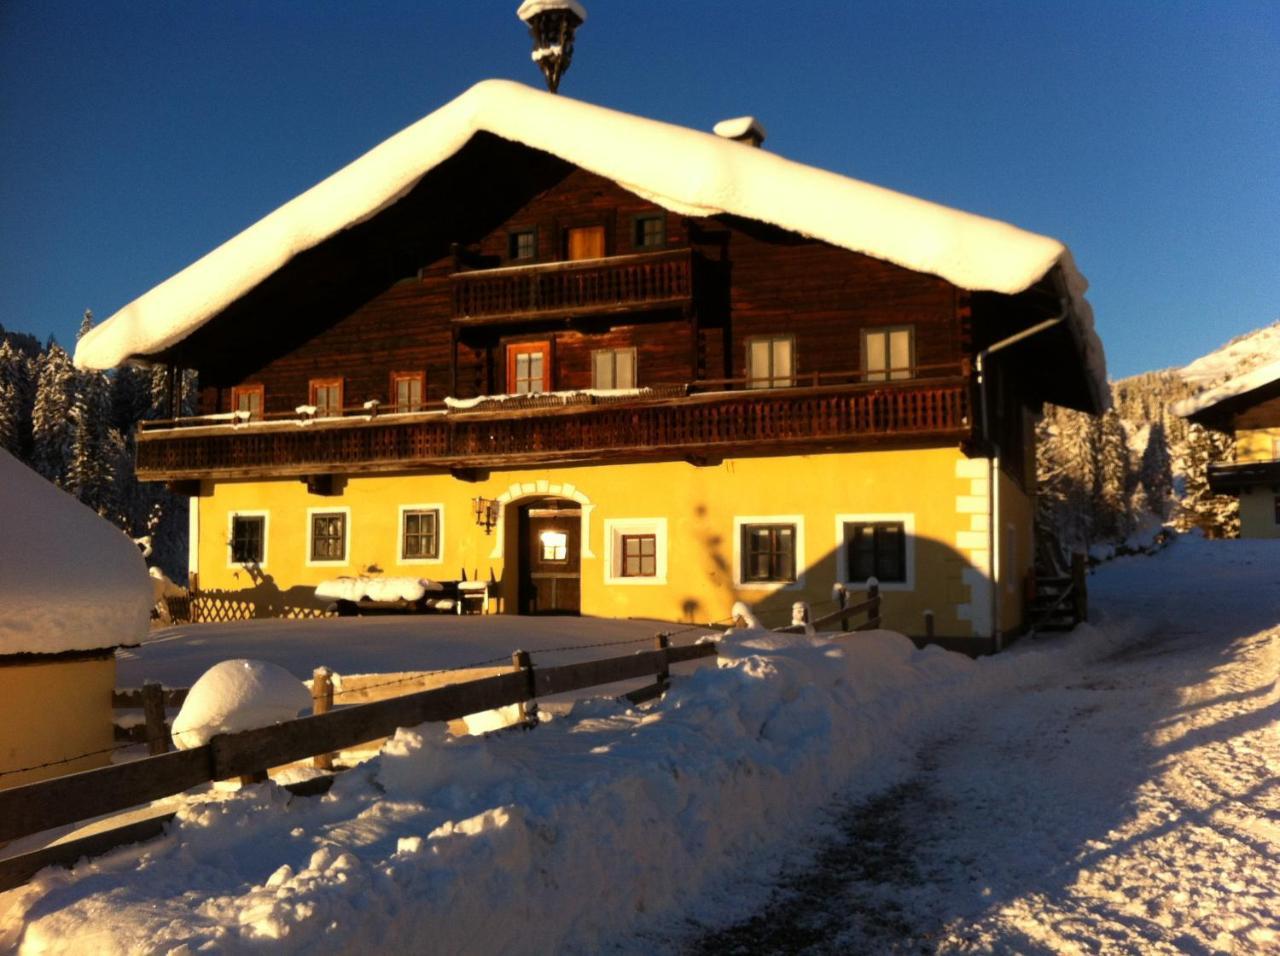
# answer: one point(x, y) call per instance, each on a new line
point(523, 245)
point(650, 232)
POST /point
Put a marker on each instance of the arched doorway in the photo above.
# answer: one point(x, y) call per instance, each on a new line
point(550, 556)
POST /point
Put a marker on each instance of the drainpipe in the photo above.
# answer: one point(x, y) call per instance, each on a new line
point(993, 462)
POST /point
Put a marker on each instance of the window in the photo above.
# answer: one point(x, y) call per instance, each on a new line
point(650, 232)
point(770, 362)
point(248, 398)
point(768, 552)
point(584, 242)
point(888, 353)
point(248, 539)
point(554, 545)
point(329, 536)
point(639, 555)
point(876, 549)
point(523, 244)
point(529, 368)
point(637, 551)
point(613, 368)
point(406, 391)
point(420, 530)
point(326, 396)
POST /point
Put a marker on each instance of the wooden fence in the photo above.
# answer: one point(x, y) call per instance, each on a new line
point(60, 801)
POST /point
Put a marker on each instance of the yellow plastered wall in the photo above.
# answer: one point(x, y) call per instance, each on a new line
point(1258, 512)
point(1258, 444)
point(930, 489)
point(52, 711)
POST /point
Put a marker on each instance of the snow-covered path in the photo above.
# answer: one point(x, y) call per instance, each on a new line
point(1128, 805)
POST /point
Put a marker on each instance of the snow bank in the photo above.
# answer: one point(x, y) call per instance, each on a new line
point(689, 172)
point(584, 831)
point(69, 580)
point(238, 695)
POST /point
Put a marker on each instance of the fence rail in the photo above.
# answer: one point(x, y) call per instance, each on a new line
point(60, 801)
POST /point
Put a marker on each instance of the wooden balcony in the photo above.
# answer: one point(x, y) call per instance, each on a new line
point(652, 280)
point(654, 425)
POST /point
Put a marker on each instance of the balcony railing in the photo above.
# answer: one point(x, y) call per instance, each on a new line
point(650, 280)
point(652, 425)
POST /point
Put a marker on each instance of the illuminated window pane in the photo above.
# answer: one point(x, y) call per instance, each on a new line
point(555, 545)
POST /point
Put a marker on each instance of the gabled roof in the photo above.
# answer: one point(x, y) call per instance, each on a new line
point(1221, 400)
point(685, 171)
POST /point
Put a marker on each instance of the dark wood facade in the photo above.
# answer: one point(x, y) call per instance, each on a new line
point(474, 261)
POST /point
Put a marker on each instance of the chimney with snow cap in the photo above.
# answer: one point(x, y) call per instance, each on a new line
point(742, 129)
point(552, 24)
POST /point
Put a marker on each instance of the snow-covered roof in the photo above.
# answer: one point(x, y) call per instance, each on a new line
point(686, 171)
point(1232, 388)
point(69, 579)
point(531, 8)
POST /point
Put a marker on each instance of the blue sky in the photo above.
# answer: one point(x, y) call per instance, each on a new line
point(1146, 135)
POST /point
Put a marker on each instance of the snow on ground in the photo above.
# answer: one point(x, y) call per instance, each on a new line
point(69, 580)
point(176, 656)
point(1105, 789)
point(1130, 804)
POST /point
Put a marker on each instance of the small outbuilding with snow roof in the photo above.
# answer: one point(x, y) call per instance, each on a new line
point(72, 588)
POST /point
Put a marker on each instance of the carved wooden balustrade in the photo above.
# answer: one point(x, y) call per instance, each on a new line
point(596, 286)
point(634, 427)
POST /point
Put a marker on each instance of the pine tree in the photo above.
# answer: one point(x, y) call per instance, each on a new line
point(1112, 482)
point(1218, 516)
point(12, 372)
point(51, 418)
point(90, 473)
point(1155, 471)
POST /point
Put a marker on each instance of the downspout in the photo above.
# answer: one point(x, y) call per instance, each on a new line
point(993, 461)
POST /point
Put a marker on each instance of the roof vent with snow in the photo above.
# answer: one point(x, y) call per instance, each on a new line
point(552, 24)
point(743, 129)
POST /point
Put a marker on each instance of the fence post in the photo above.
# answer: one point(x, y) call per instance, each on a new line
point(153, 711)
point(842, 596)
point(1080, 586)
point(521, 662)
point(322, 703)
point(928, 625)
point(873, 595)
point(662, 642)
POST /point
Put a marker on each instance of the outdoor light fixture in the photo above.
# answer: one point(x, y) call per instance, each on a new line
point(486, 510)
point(551, 24)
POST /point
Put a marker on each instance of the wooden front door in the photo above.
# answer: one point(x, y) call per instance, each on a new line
point(550, 552)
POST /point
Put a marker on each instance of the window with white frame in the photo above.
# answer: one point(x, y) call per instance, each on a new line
point(889, 353)
point(329, 536)
point(247, 539)
point(768, 553)
point(880, 546)
point(637, 551)
point(770, 361)
point(419, 534)
point(613, 368)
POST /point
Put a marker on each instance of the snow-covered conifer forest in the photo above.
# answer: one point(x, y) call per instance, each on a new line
point(76, 428)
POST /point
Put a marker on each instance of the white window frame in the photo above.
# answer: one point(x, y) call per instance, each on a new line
point(266, 537)
point(346, 538)
point(801, 565)
point(888, 373)
point(908, 520)
point(614, 529)
point(438, 508)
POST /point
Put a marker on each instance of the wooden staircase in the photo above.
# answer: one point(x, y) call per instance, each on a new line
point(1061, 601)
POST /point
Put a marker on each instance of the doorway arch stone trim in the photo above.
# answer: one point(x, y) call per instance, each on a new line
point(520, 490)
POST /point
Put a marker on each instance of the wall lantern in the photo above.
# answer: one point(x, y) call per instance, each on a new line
point(486, 510)
point(552, 24)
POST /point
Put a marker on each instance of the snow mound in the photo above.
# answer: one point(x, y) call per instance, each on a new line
point(238, 695)
point(689, 172)
point(69, 580)
point(366, 587)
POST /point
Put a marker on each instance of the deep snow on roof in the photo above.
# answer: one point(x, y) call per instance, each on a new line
point(1232, 388)
point(683, 170)
point(69, 579)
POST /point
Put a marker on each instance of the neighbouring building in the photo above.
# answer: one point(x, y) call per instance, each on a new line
point(1248, 408)
point(73, 587)
point(621, 367)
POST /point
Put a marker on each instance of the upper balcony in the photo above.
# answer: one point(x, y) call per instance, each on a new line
point(644, 281)
point(699, 421)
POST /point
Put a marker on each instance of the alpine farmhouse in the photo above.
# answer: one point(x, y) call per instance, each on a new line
point(1248, 408)
point(620, 368)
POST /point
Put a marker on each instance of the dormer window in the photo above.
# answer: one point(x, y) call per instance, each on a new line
point(522, 246)
point(649, 231)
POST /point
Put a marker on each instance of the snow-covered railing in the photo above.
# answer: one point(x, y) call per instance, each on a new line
point(723, 422)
